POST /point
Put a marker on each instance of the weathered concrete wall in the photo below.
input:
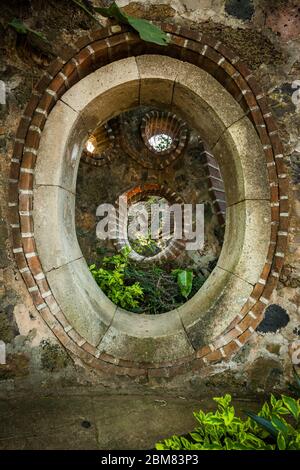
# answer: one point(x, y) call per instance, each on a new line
point(266, 36)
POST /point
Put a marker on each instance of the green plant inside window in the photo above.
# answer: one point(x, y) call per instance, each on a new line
point(111, 279)
point(140, 289)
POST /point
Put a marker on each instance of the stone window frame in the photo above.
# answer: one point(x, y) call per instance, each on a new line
point(141, 357)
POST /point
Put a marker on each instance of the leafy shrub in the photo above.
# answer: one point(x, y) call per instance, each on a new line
point(112, 282)
point(223, 430)
point(162, 290)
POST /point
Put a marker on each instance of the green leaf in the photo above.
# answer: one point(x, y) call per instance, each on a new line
point(229, 443)
point(186, 444)
point(159, 446)
point(112, 12)
point(239, 446)
point(264, 423)
point(292, 405)
point(214, 420)
point(228, 415)
point(279, 424)
point(223, 401)
point(147, 31)
point(281, 444)
point(21, 28)
point(196, 437)
point(265, 411)
point(185, 282)
point(273, 400)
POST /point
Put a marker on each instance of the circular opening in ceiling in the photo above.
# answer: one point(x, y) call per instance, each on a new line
point(160, 142)
point(90, 146)
point(163, 132)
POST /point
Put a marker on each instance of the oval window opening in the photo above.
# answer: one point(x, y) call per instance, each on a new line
point(82, 317)
point(152, 261)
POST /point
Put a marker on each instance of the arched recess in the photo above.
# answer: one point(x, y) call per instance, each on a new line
point(136, 194)
point(208, 86)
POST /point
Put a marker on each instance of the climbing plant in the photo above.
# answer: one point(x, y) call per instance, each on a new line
point(146, 30)
point(21, 28)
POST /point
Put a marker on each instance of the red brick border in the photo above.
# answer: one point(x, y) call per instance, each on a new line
point(91, 52)
point(216, 186)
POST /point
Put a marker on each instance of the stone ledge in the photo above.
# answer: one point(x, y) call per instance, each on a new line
point(60, 148)
point(85, 306)
point(147, 338)
point(248, 231)
point(54, 226)
point(247, 163)
point(215, 306)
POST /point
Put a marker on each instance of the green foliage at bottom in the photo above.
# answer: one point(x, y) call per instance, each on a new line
point(223, 430)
